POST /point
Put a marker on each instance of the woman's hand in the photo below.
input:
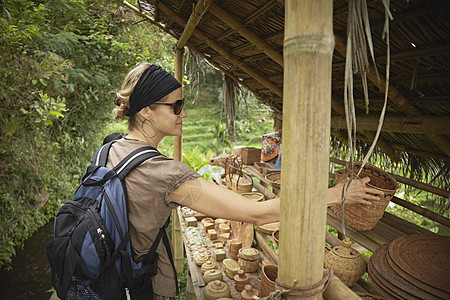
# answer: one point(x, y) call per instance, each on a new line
point(357, 193)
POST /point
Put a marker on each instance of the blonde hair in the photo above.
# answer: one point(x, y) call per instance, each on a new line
point(123, 95)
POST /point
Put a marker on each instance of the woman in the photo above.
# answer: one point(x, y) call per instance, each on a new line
point(153, 101)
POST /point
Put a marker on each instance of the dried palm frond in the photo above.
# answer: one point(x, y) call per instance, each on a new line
point(194, 72)
point(358, 39)
point(229, 104)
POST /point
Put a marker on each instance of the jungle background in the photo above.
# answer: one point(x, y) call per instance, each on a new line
point(61, 63)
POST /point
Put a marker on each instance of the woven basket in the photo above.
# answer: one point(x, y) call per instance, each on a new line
point(274, 179)
point(363, 217)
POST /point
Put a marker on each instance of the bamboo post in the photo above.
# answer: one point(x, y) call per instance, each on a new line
point(177, 235)
point(308, 49)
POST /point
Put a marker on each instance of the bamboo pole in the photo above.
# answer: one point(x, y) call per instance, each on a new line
point(422, 211)
point(177, 235)
point(425, 125)
point(308, 49)
point(200, 8)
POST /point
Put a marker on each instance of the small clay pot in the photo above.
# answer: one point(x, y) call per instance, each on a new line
point(269, 274)
point(211, 275)
point(208, 265)
point(216, 289)
point(241, 280)
point(201, 259)
point(346, 262)
point(248, 293)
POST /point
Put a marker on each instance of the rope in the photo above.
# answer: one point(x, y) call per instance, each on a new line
point(300, 292)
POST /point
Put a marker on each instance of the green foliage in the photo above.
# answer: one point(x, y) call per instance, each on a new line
point(60, 66)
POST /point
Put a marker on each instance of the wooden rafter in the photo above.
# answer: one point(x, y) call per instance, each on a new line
point(248, 34)
point(206, 39)
point(423, 125)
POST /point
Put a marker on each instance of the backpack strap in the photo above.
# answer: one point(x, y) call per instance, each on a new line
point(134, 159)
point(148, 260)
point(124, 167)
point(101, 156)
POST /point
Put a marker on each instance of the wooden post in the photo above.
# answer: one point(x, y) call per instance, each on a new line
point(177, 235)
point(308, 49)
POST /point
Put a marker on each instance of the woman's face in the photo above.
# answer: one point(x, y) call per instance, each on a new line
point(169, 123)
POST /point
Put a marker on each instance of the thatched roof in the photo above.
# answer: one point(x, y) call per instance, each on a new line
point(244, 39)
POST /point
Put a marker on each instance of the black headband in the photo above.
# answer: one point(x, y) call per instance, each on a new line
point(154, 84)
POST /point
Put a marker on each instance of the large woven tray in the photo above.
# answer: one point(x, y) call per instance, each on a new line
point(363, 217)
point(412, 267)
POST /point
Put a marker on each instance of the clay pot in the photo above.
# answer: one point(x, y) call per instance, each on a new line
point(230, 267)
point(346, 262)
point(269, 274)
point(201, 259)
point(235, 246)
point(248, 293)
point(216, 289)
point(241, 280)
point(248, 259)
point(208, 265)
point(211, 275)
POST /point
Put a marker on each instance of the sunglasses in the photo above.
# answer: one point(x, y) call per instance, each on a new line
point(177, 105)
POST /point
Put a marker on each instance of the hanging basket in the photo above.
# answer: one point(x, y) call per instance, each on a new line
point(364, 217)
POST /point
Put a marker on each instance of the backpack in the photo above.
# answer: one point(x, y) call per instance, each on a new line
point(91, 255)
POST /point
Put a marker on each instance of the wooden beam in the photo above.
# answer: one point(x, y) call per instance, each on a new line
point(434, 50)
point(399, 100)
point(422, 211)
point(206, 39)
point(337, 106)
point(246, 33)
point(423, 125)
point(308, 51)
point(200, 8)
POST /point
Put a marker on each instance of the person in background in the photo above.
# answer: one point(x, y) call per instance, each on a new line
point(152, 100)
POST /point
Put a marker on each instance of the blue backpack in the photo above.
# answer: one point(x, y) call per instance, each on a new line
point(90, 255)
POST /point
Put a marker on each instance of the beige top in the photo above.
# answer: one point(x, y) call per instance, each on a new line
point(148, 187)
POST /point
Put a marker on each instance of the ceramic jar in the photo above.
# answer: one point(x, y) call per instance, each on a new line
point(201, 259)
point(248, 293)
point(248, 259)
point(211, 275)
point(208, 265)
point(230, 267)
point(269, 274)
point(346, 262)
point(216, 289)
point(241, 280)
